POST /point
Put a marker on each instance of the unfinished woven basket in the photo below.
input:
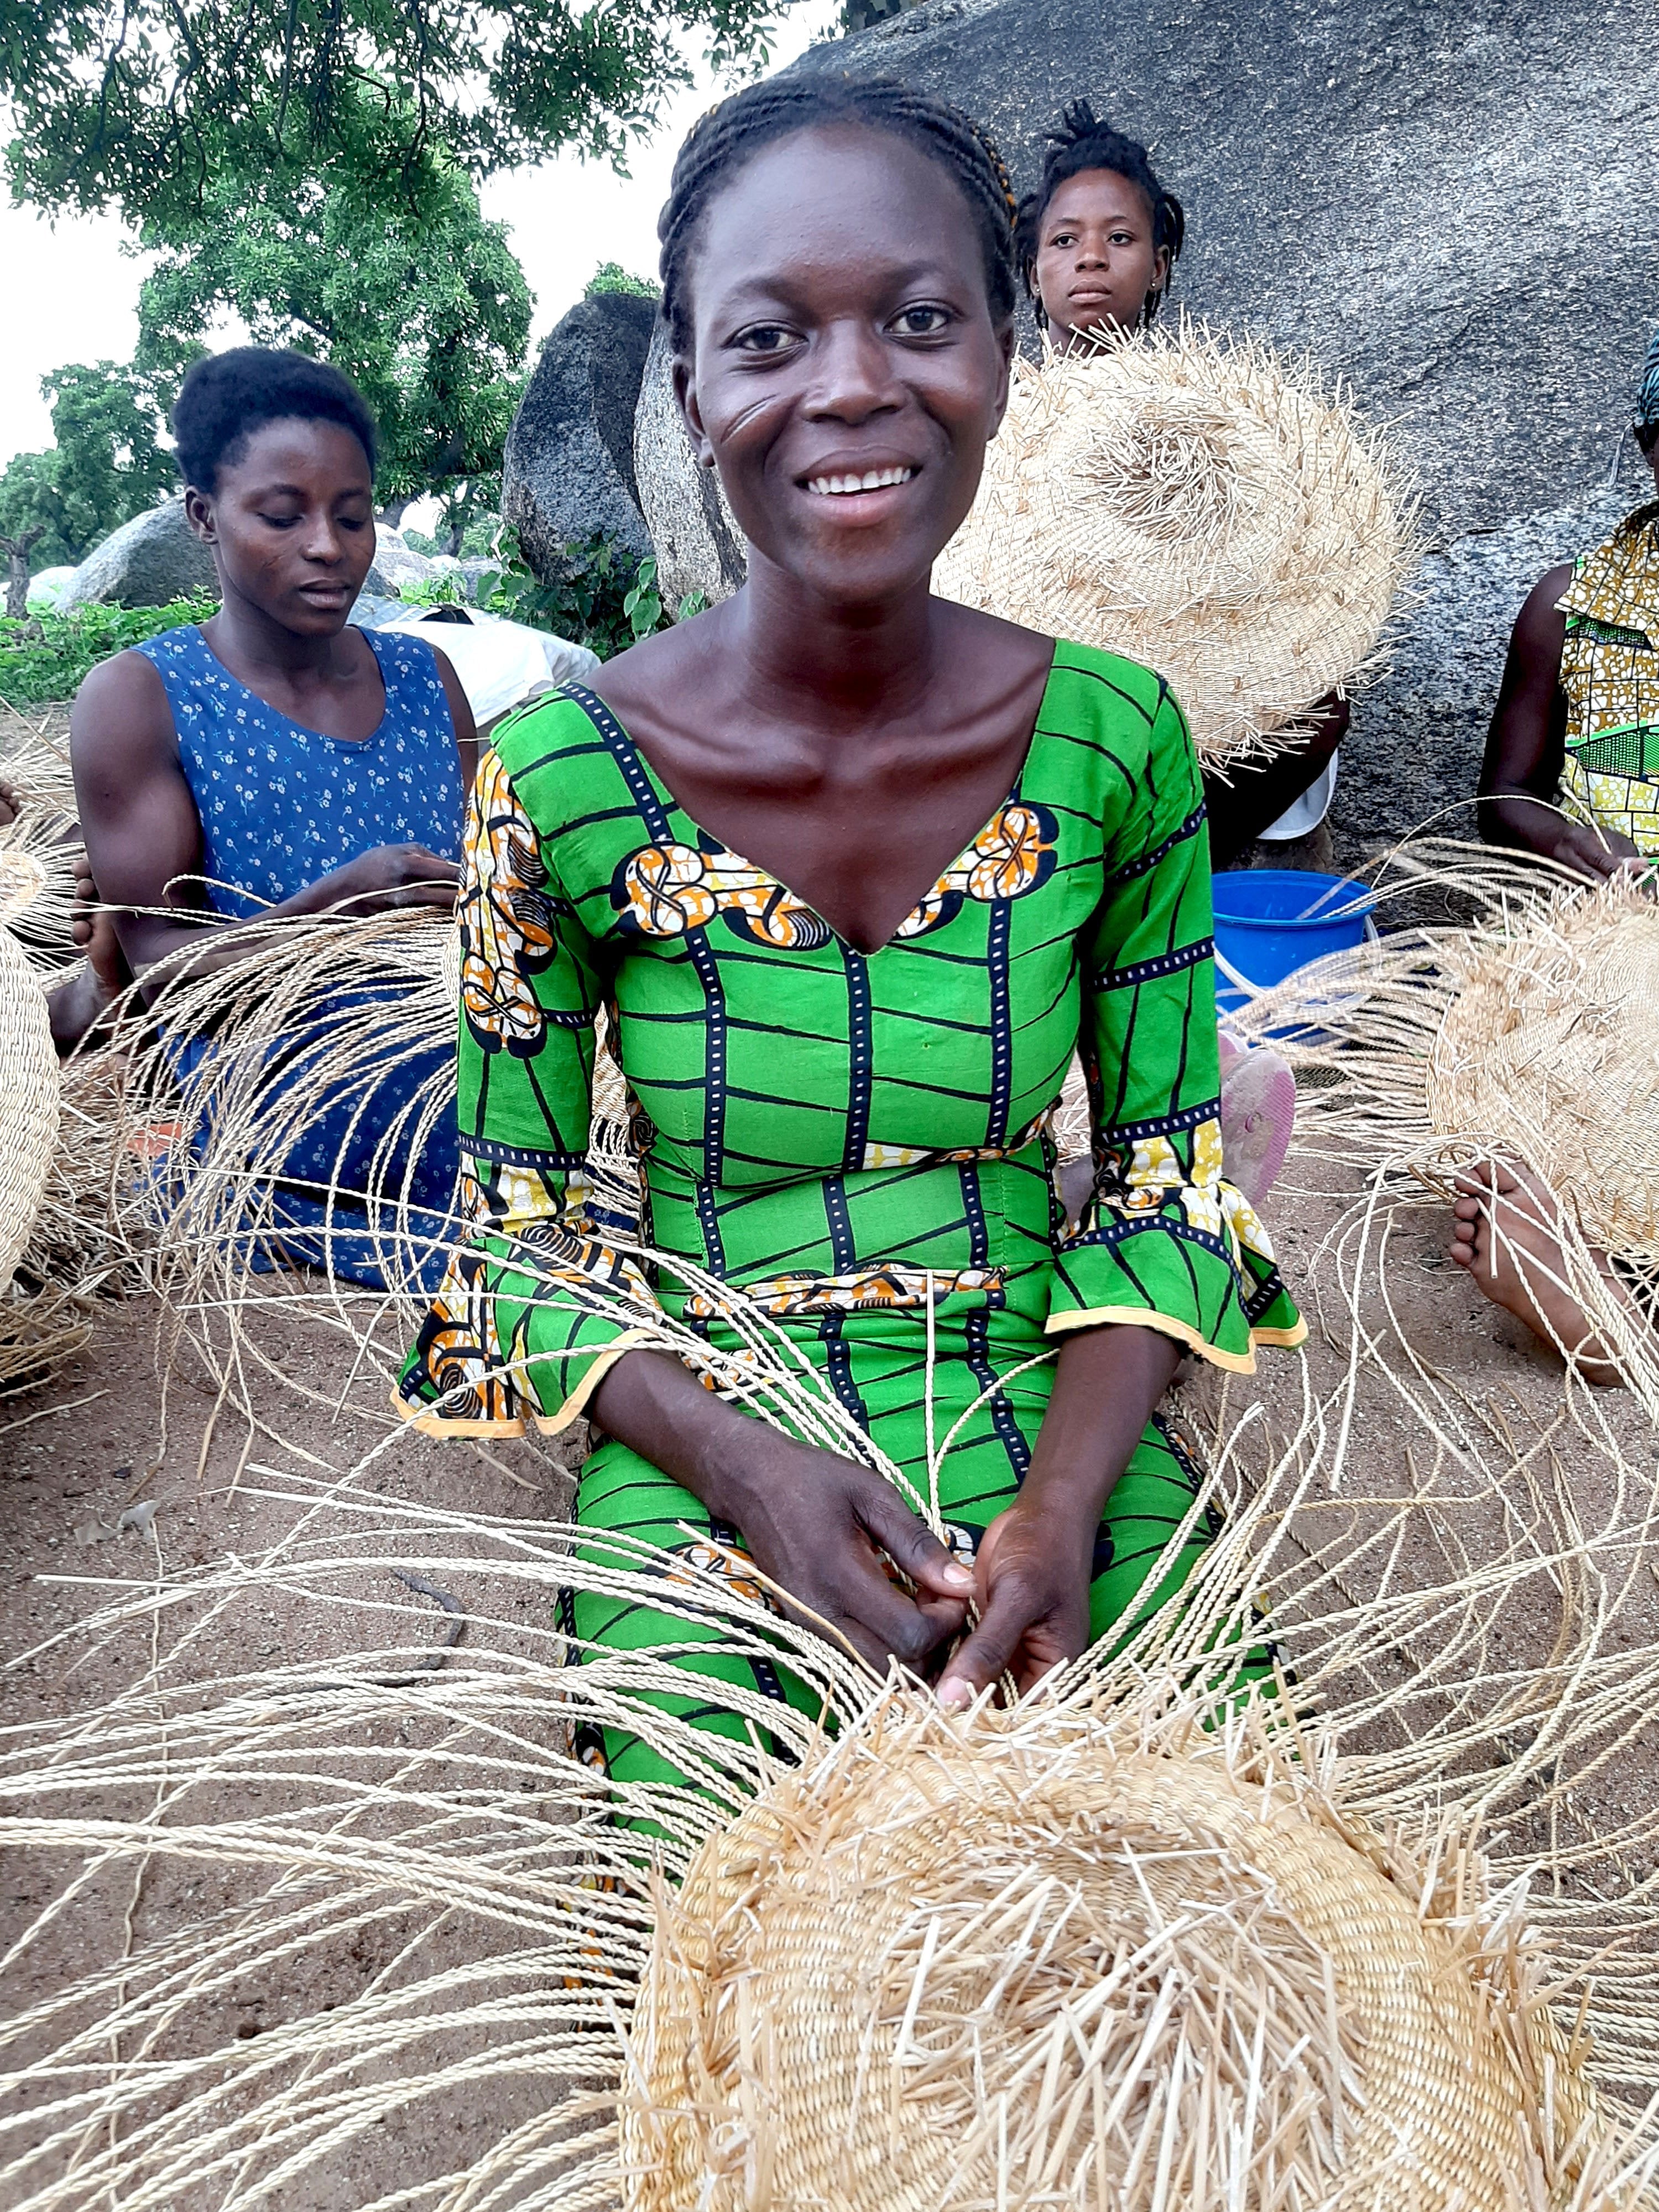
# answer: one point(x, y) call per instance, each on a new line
point(29, 1090)
point(1551, 1047)
point(1193, 503)
point(1015, 1967)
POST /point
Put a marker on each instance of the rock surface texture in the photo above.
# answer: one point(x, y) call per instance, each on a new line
point(699, 545)
point(1453, 210)
point(146, 562)
point(569, 466)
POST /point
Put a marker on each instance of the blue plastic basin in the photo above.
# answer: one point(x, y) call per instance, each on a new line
point(1271, 922)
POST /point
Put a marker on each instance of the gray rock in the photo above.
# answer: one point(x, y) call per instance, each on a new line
point(699, 546)
point(148, 562)
point(396, 564)
point(1451, 207)
point(569, 466)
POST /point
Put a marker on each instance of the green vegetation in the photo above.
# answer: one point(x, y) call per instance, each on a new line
point(611, 276)
point(606, 600)
point(478, 530)
point(45, 656)
point(108, 464)
point(144, 106)
point(449, 590)
point(429, 316)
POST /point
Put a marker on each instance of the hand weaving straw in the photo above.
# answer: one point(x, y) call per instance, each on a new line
point(1530, 1034)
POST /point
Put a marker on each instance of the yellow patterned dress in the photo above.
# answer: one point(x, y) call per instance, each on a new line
point(1610, 678)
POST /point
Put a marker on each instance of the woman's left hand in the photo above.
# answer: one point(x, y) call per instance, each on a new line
point(1033, 1596)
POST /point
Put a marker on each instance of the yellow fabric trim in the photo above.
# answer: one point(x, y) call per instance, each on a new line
point(1290, 1338)
point(451, 1431)
point(1235, 1362)
point(456, 1428)
point(551, 1423)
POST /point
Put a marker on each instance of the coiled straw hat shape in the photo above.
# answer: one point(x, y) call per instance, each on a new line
point(1552, 1045)
point(28, 1069)
point(1193, 503)
point(1019, 1965)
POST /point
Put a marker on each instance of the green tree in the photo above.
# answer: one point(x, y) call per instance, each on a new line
point(142, 106)
point(611, 276)
point(430, 316)
point(107, 464)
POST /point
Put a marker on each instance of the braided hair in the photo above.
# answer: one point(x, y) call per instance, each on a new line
point(736, 131)
point(1083, 142)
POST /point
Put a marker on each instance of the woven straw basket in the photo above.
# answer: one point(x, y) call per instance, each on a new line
point(28, 1070)
point(1188, 501)
point(981, 1972)
point(1552, 1047)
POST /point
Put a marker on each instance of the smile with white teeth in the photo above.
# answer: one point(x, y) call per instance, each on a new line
point(872, 480)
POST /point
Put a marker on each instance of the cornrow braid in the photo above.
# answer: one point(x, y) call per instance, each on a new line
point(735, 131)
point(1084, 142)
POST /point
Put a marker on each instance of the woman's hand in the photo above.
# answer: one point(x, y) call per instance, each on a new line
point(1036, 1560)
point(379, 882)
point(1033, 1592)
point(1598, 854)
point(814, 1523)
point(817, 1524)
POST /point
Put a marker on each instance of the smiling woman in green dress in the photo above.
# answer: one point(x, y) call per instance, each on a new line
point(856, 869)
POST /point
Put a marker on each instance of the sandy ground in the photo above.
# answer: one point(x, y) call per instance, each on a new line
point(125, 1468)
point(105, 1436)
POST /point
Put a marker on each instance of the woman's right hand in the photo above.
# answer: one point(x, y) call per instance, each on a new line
point(1598, 854)
point(390, 877)
point(816, 1524)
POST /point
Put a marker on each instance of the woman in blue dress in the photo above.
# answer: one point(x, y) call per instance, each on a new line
point(277, 760)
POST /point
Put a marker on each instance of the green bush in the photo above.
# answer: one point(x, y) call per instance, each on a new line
point(611, 276)
point(45, 657)
point(606, 599)
point(446, 589)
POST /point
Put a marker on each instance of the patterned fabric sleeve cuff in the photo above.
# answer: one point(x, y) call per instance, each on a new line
point(511, 1405)
point(1218, 1298)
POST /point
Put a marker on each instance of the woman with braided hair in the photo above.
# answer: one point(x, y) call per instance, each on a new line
point(1098, 244)
point(855, 870)
point(1099, 239)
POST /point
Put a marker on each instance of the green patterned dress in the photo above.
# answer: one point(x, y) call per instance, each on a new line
point(845, 1138)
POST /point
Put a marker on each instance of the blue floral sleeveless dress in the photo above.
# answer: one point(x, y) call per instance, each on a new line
point(280, 806)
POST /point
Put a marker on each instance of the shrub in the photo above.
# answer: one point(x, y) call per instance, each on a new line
point(611, 276)
point(606, 599)
point(45, 657)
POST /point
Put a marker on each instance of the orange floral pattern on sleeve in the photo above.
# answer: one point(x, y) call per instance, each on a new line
point(505, 919)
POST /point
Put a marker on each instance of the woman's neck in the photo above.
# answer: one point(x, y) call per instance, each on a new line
point(834, 663)
point(255, 639)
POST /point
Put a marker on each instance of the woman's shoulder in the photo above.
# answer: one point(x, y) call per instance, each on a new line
point(1108, 699)
point(556, 755)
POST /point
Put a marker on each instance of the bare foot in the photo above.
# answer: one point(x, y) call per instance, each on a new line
point(1524, 1269)
point(11, 804)
point(1258, 1115)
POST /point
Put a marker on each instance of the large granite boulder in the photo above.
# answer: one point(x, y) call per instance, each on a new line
point(148, 562)
point(698, 544)
point(569, 466)
point(396, 564)
point(1451, 207)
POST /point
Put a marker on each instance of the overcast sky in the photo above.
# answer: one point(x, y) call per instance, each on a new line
point(80, 290)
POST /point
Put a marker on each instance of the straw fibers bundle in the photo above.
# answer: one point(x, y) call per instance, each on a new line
point(1363, 1943)
point(29, 1091)
point(37, 770)
point(317, 1013)
point(1527, 1036)
point(1194, 504)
